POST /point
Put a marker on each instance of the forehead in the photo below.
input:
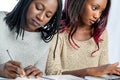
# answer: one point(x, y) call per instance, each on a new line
point(101, 3)
point(51, 4)
point(47, 1)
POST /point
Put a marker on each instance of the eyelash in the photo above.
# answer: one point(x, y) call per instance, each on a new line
point(38, 8)
point(94, 8)
point(41, 9)
point(48, 16)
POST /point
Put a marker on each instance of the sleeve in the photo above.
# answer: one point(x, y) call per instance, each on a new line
point(2, 22)
point(1, 18)
point(54, 66)
point(41, 64)
point(104, 49)
point(2, 15)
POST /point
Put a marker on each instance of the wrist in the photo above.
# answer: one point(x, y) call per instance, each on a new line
point(1, 70)
point(96, 71)
point(88, 71)
point(91, 71)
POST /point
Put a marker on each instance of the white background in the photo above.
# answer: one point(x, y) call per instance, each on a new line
point(114, 32)
point(113, 27)
point(7, 5)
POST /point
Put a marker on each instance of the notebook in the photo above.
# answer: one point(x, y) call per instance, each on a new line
point(53, 77)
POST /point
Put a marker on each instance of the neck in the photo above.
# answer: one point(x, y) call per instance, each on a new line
point(29, 30)
point(83, 33)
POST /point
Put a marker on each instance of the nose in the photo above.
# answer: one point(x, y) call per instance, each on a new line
point(40, 16)
point(97, 15)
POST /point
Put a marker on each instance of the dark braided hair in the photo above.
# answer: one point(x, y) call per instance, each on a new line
point(16, 19)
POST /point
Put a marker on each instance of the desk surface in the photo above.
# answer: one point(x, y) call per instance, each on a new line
point(51, 77)
point(65, 77)
point(104, 77)
point(69, 77)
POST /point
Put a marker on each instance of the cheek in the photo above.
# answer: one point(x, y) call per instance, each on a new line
point(28, 15)
point(31, 12)
point(46, 21)
point(87, 12)
point(87, 15)
point(85, 18)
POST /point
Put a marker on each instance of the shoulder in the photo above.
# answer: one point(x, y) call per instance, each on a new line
point(104, 38)
point(2, 16)
point(104, 34)
point(60, 36)
point(2, 21)
point(3, 13)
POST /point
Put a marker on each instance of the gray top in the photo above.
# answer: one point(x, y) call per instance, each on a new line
point(32, 50)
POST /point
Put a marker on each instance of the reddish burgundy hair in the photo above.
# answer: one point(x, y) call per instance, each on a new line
point(71, 15)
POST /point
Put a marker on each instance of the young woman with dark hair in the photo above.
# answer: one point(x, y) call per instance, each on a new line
point(25, 33)
point(82, 48)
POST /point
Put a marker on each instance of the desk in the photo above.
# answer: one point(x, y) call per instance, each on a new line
point(3, 78)
point(104, 77)
point(51, 77)
point(65, 77)
point(70, 77)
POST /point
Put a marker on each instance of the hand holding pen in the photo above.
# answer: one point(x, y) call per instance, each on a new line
point(29, 71)
point(12, 69)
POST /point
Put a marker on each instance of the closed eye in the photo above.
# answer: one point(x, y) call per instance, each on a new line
point(48, 15)
point(39, 7)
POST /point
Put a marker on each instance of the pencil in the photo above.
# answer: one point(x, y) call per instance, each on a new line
point(9, 55)
point(22, 71)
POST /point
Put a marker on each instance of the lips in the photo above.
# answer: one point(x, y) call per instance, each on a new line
point(36, 23)
point(92, 21)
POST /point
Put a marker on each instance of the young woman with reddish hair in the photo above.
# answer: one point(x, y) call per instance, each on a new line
point(81, 48)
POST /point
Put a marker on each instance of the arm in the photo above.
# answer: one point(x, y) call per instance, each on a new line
point(94, 71)
point(54, 64)
point(79, 73)
point(103, 44)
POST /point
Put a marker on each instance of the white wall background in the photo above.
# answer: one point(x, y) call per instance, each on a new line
point(7, 5)
point(114, 32)
point(113, 27)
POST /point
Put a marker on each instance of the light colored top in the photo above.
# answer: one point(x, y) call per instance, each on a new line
point(32, 50)
point(68, 58)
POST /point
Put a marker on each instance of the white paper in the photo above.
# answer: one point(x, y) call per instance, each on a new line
point(53, 77)
point(25, 78)
point(104, 77)
point(65, 77)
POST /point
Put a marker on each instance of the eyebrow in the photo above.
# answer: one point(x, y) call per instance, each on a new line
point(100, 7)
point(96, 5)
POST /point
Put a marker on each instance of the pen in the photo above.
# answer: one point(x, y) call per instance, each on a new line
point(9, 55)
point(22, 71)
